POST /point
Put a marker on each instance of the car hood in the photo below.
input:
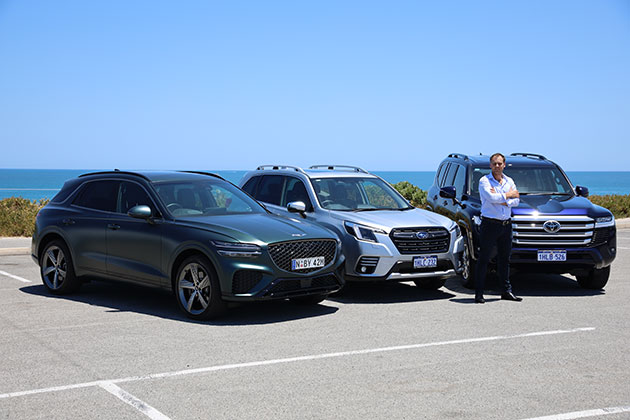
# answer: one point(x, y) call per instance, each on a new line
point(557, 205)
point(388, 219)
point(258, 228)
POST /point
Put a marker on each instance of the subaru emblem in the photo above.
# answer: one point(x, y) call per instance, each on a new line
point(551, 226)
point(422, 235)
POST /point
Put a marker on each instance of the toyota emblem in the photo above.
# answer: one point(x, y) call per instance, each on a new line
point(551, 226)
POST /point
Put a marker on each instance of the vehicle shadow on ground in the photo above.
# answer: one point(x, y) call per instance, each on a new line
point(525, 284)
point(386, 292)
point(159, 303)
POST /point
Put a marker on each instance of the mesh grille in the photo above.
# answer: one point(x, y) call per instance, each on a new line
point(420, 240)
point(286, 287)
point(282, 253)
point(244, 280)
point(602, 236)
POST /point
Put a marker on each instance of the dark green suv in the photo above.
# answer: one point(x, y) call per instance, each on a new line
point(194, 233)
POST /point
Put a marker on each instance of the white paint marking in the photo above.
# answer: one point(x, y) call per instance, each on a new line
point(4, 273)
point(622, 247)
point(586, 413)
point(139, 405)
point(290, 360)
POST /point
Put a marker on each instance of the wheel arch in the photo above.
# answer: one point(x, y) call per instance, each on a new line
point(183, 255)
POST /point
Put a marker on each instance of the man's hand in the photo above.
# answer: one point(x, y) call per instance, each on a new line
point(492, 190)
point(513, 193)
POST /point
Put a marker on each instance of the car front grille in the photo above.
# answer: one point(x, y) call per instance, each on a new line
point(602, 236)
point(421, 240)
point(244, 280)
point(573, 231)
point(283, 252)
point(293, 287)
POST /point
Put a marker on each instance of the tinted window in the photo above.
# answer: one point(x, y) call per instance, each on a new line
point(443, 174)
point(67, 189)
point(98, 195)
point(295, 191)
point(131, 195)
point(439, 173)
point(450, 175)
point(250, 186)
point(270, 189)
point(460, 181)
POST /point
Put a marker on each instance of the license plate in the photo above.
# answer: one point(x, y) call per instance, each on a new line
point(555, 255)
point(424, 262)
point(306, 263)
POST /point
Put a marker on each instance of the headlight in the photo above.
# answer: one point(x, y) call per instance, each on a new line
point(457, 230)
point(362, 232)
point(605, 221)
point(236, 249)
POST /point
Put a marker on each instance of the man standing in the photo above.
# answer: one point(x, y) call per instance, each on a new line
point(498, 195)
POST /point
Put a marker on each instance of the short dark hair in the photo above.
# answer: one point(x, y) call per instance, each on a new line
point(495, 155)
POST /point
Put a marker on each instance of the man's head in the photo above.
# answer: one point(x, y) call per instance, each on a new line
point(497, 164)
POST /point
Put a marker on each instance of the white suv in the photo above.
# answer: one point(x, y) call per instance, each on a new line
point(383, 236)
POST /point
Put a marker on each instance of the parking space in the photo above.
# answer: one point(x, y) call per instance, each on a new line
point(120, 351)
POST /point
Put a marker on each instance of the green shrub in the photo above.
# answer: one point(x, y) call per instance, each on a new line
point(413, 194)
point(17, 216)
point(619, 205)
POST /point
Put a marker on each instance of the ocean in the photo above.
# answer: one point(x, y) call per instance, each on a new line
point(35, 184)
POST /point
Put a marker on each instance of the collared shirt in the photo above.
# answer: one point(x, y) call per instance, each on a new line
point(492, 203)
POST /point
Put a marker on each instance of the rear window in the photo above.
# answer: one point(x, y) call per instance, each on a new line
point(98, 195)
point(67, 189)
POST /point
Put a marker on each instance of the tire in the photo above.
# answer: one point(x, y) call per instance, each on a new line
point(197, 289)
point(309, 300)
point(470, 267)
point(430, 283)
point(595, 279)
point(57, 270)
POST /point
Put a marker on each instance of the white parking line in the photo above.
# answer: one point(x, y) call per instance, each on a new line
point(289, 360)
point(583, 414)
point(139, 405)
point(4, 273)
point(622, 247)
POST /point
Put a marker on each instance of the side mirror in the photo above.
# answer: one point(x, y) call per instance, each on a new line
point(581, 191)
point(297, 207)
point(448, 192)
point(140, 212)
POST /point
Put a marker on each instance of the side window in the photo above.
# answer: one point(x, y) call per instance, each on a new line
point(131, 195)
point(460, 181)
point(443, 174)
point(98, 195)
point(439, 174)
point(270, 189)
point(295, 191)
point(250, 186)
point(450, 175)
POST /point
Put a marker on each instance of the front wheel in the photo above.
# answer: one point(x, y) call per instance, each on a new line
point(56, 269)
point(197, 289)
point(470, 266)
point(595, 279)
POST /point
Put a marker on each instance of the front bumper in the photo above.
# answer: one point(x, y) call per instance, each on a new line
point(577, 258)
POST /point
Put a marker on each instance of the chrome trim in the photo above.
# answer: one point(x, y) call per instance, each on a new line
point(556, 243)
point(411, 276)
point(553, 235)
point(563, 227)
point(553, 217)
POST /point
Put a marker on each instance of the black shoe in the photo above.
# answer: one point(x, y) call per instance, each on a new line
point(480, 300)
point(510, 296)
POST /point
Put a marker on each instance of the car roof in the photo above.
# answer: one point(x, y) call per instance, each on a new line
point(154, 176)
point(484, 160)
point(318, 171)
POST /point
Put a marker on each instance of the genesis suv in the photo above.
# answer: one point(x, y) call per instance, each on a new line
point(193, 233)
point(556, 229)
point(382, 235)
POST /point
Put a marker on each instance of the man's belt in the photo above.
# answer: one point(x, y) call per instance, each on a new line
point(499, 221)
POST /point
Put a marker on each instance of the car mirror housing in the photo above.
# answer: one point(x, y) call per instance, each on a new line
point(581, 191)
point(140, 212)
point(297, 207)
point(447, 192)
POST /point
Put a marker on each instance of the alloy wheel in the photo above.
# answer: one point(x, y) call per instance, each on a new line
point(194, 288)
point(54, 267)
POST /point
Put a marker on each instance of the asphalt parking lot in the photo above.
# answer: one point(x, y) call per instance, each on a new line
point(376, 351)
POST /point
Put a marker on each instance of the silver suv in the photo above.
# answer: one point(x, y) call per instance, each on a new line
point(383, 236)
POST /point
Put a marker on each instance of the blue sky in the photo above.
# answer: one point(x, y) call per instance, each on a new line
point(393, 85)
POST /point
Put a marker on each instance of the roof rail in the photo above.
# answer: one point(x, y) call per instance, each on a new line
point(458, 155)
point(203, 173)
point(115, 172)
point(278, 167)
point(532, 155)
point(341, 167)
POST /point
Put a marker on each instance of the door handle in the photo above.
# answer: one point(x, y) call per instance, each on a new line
point(435, 197)
point(68, 222)
point(113, 226)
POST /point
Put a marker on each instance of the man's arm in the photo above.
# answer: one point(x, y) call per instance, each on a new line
point(513, 196)
point(489, 194)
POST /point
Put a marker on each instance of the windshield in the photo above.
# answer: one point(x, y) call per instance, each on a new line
point(357, 194)
point(205, 197)
point(529, 180)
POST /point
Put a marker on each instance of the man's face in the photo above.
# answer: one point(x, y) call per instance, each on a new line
point(497, 165)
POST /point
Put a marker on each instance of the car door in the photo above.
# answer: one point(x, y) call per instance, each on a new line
point(134, 246)
point(86, 228)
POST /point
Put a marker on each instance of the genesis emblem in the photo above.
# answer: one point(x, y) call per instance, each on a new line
point(422, 235)
point(298, 235)
point(551, 226)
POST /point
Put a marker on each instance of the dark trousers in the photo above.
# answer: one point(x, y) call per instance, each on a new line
point(494, 233)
